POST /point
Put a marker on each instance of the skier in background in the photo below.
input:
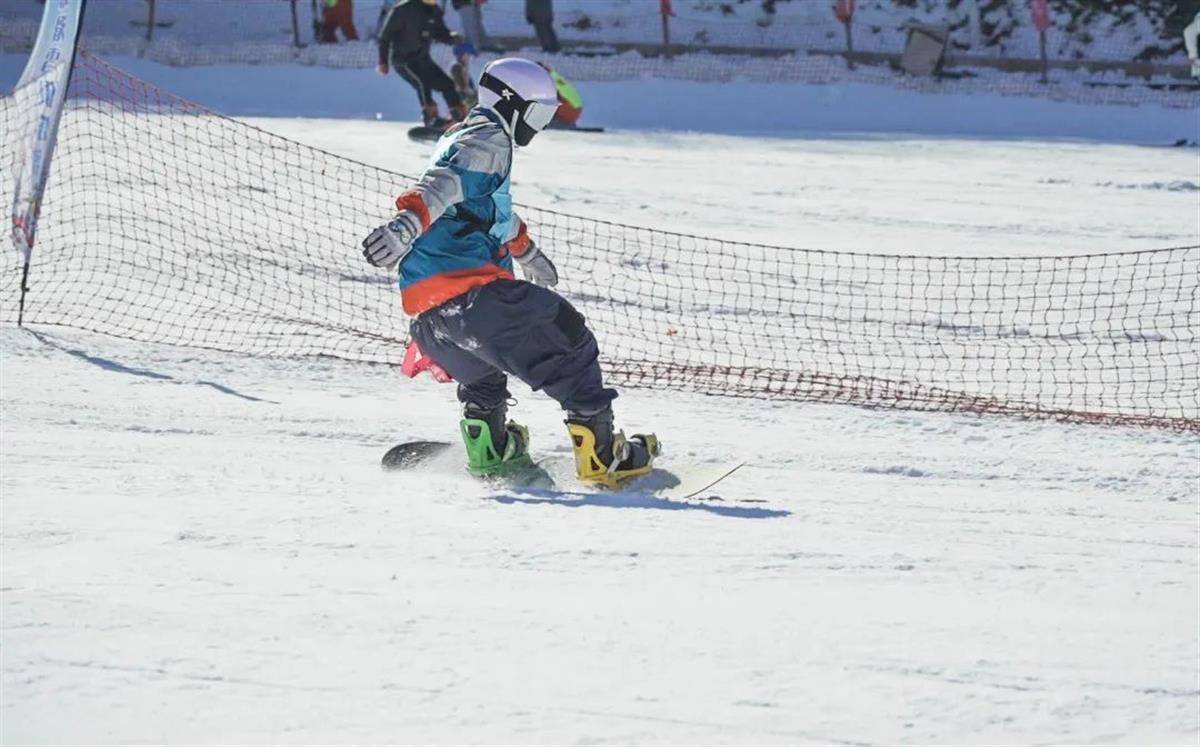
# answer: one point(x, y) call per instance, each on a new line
point(471, 15)
point(1191, 34)
point(337, 14)
point(454, 241)
point(570, 103)
point(408, 30)
point(540, 15)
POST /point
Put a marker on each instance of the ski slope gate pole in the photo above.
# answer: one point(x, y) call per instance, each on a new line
point(39, 96)
point(150, 20)
point(664, 9)
point(1041, 21)
point(844, 10)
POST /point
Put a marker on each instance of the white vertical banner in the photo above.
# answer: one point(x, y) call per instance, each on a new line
point(37, 103)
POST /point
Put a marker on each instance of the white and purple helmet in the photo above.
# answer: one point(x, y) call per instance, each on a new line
point(522, 93)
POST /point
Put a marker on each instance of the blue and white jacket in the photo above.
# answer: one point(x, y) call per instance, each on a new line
point(470, 230)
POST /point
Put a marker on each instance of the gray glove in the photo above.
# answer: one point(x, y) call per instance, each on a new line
point(537, 267)
point(387, 245)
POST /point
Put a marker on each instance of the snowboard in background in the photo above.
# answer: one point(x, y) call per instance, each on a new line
point(1189, 85)
point(423, 134)
point(559, 127)
point(677, 483)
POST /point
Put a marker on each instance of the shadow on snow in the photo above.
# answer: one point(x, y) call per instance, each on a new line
point(630, 499)
point(117, 367)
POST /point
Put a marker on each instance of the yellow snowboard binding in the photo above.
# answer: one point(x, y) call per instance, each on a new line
point(613, 460)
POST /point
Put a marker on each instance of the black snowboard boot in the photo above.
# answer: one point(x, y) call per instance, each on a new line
point(431, 118)
point(494, 444)
point(608, 458)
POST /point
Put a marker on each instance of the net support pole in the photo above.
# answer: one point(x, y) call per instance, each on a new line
point(40, 94)
point(844, 11)
point(24, 290)
point(849, 45)
point(1042, 54)
point(1040, 10)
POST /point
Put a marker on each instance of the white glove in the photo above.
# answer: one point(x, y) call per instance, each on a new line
point(1196, 69)
point(387, 245)
point(537, 267)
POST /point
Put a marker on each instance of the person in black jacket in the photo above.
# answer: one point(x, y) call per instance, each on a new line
point(540, 15)
point(410, 27)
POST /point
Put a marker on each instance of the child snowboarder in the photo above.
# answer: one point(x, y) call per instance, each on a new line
point(454, 241)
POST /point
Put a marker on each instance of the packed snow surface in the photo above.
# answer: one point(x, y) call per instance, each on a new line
point(913, 194)
point(200, 547)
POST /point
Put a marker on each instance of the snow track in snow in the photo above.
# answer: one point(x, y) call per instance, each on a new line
point(202, 548)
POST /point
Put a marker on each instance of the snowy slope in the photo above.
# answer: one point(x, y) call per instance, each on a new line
point(201, 549)
point(874, 193)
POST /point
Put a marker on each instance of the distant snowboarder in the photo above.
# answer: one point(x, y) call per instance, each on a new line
point(454, 241)
point(408, 30)
point(1191, 33)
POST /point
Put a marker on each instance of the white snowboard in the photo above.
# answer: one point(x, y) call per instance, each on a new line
point(557, 472)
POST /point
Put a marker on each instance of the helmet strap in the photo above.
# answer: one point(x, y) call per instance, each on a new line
point(509, 104)
point(511, 108)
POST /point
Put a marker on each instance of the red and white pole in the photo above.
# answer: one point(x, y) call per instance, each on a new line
point(664, 9)
point(844, 10)
point(1041, 21)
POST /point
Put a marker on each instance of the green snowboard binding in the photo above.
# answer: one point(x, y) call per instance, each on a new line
point(485, 458)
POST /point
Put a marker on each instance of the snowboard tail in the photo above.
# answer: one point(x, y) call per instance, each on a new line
point(418, 455)
point(412, 454)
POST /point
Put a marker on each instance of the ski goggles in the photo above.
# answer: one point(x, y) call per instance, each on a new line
point(525, 117)
point(539, 114)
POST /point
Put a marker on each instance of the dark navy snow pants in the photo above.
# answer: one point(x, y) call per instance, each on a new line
point(516, 327)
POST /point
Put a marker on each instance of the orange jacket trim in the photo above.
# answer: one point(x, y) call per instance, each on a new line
point(412, 200)
point(432, 291)
point(519, 244)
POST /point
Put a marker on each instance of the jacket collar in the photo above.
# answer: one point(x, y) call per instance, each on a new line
point(491, 116)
